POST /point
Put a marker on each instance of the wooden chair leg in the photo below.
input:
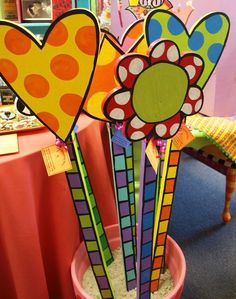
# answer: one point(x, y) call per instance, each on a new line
point(230, 187)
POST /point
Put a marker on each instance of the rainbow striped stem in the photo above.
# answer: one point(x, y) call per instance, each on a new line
point(88, 215)
point(125, 199)
point(166, 195)
point(147, 199)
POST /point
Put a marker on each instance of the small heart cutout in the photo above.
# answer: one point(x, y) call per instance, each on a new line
point(207, 38)
point(52, 77)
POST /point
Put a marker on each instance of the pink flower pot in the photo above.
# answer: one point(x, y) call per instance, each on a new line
point(174, 258)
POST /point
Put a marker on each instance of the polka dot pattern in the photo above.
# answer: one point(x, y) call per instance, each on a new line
point(69, 103)
point(165, 51)
point(16, 42)
point(52, 77)
point(193, 102)
point(168, 128)
point(59, 36)
point(196, 41)
point(193, 64)
point(102, 85)
point(214, 24)
point(9, 70)
point(214, 52)
point(154, 30)
point(49, 119)
point(207, 38)
point(85, 39)
point(64, 67)
point(174, 26)
point(130, 67)
point(120, 100)
point(138, 130)
point(36, 85)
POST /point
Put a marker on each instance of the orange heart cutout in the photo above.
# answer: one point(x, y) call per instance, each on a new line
point(52, 77)
point(110, 51)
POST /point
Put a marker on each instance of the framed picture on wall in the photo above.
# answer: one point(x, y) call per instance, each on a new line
point(36, 10)
point(61, 6)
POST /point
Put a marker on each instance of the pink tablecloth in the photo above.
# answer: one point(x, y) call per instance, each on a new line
point(39, 231)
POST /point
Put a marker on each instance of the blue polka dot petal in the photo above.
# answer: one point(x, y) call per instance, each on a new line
point(214, 24)
point(214, 52)
point(154, 31)
point(174, 26)
point(196, 41)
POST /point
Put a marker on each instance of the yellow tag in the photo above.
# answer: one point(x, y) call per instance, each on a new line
point(153, 155)
point(8, 144)
point(183, 137)
point(56, 159)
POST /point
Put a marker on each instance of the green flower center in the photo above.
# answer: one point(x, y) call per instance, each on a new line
point(159, 92)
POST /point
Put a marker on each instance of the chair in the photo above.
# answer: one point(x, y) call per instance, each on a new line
point(215, 146)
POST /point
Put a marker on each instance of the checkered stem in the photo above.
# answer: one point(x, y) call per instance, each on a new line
point(122, 175)
point(147, 198)
point(163, 213)
point(90, 222)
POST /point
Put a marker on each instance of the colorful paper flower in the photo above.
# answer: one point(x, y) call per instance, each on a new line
point(157, 91)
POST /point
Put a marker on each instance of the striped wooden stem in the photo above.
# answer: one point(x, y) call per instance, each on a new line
point(125, 213)
point(166, 195)
point(230, 187)
point(131, 188)
point(88, 215)
point(147, 196)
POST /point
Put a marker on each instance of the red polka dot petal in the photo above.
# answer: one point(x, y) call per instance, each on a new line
point(168, 128)
point(193, 64)
point(193, 102)
point(164, 51)
point(130, 67)
point(136, 129)
point(118, 106)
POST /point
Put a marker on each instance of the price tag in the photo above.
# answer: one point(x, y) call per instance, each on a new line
point(56, 159)
point(183, 137)
point(8, 144)
point(120, 139)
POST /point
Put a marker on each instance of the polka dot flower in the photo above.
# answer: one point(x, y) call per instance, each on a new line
point(157, 91)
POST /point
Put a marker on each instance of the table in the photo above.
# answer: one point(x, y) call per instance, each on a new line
point(39, 231)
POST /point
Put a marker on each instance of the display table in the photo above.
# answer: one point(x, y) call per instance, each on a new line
point(39, 231)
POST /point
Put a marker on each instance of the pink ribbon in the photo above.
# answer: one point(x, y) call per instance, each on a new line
point(161, 146)
point(60, 143)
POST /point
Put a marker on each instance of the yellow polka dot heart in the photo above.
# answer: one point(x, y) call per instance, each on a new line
point(52, 77)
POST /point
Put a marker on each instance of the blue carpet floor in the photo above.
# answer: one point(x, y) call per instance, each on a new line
point(208, 245)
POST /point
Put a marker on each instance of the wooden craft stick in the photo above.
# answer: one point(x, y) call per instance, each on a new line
point(120, 175)
point(147, 197)
point(90, 222)
point(166, 195)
